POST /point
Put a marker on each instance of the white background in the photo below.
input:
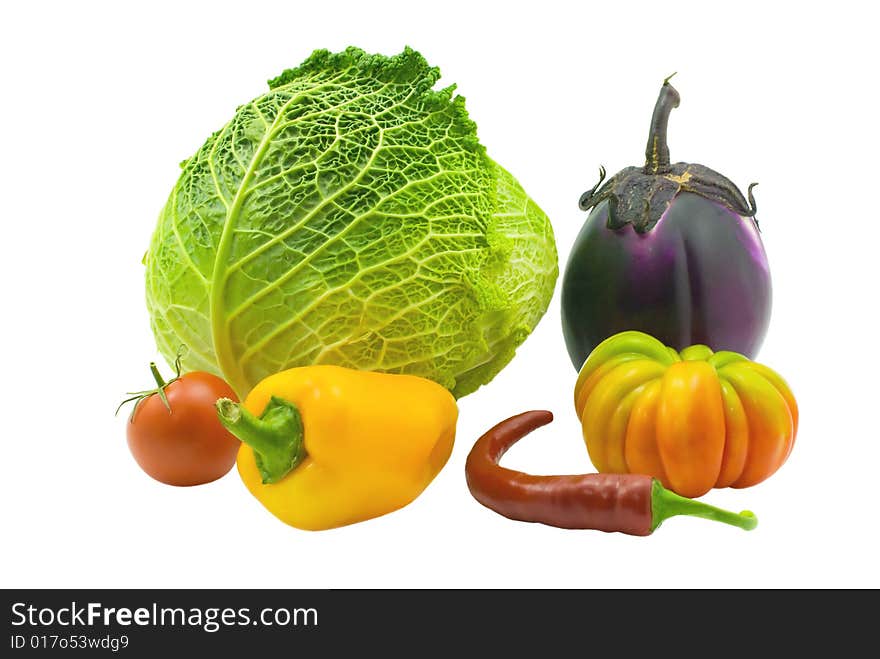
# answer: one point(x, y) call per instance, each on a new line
point(101, 102)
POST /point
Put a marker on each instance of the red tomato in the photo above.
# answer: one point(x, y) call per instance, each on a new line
point(186, 445)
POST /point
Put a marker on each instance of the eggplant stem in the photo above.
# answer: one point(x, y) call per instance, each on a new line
point(657, 151)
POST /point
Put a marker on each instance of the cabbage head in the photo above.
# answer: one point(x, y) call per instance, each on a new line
point(349, 216)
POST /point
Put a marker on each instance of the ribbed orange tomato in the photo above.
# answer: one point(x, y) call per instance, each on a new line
point(694, 420)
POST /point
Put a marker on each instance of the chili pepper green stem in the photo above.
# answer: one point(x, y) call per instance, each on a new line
point(276, 436)
point(666, 504)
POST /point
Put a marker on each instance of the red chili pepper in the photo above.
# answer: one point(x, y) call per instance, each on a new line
point(628, 503)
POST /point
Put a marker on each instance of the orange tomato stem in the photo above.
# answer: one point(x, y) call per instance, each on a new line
point(666, 504)
point(160, 381)
point(276, 437)
point(138, 396)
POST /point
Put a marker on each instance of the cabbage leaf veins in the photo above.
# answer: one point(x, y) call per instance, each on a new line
point(349, 216)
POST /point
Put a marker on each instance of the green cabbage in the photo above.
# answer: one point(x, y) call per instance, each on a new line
point(349, 216)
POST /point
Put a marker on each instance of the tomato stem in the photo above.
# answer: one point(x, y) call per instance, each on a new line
point(160, 381)
point(276, 437)
point(138, 396)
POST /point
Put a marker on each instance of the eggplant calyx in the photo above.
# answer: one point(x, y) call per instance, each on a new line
point(640, 195)
point(639, 198)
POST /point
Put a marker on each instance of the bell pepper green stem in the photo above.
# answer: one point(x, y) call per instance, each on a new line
point(276, 437)
point(666, 504)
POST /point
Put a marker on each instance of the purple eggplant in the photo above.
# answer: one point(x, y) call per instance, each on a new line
point(673, 250)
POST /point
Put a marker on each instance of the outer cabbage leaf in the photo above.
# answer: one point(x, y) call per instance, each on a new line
point(349, 216)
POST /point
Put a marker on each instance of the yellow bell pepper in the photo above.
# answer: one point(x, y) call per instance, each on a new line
point(326, 446)
point(695, 420)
